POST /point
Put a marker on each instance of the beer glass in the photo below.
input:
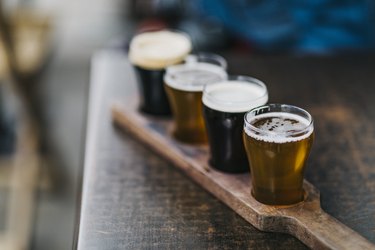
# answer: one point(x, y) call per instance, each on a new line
point(224, 106)
point(184, 85)
point(150, 53)
point(278, 139)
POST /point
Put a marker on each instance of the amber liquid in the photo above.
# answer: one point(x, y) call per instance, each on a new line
point(277, 169)
point(187, 113)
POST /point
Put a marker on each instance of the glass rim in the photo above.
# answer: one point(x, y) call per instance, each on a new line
point(301, 131)
point(195, 57)
point(237, 78)
point(158, 29)
point(191, 84)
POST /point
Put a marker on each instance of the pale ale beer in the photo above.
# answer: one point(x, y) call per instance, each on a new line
point(224, 106)
point(278, 139)
point(184, 85)
point(151, 53)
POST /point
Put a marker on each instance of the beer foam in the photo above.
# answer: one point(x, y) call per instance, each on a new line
point(193, 76)
point(234, 96)
point(279, 129)
point(159, 49)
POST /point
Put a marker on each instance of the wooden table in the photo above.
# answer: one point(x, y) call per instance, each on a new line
point(134, 199)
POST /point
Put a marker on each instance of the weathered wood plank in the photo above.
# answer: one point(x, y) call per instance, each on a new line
point(306, 221)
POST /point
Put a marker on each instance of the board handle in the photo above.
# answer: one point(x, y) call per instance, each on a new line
point(319, 230)
point(306, 220)
point(309, 223)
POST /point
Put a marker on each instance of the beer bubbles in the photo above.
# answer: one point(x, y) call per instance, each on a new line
point(278, 139)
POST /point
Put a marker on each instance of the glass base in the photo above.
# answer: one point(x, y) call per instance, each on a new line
point(232, 168)
point(154, 112)
point(191, 137)
point(280, 198)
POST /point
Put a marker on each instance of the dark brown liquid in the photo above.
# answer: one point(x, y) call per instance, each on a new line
point(152, 94)
point(224, 132)
point(277, 168)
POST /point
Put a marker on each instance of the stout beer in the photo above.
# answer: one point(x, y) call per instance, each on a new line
point(278, 139)
point(225, 104)
point(184, 85)
point(151, 53)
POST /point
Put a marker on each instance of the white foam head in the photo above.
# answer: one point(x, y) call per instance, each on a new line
point(159, 49)
point(193, 76)
point(235, 96)
point(281, 127)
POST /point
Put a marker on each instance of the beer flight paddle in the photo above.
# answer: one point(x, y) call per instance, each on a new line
point(305, 220)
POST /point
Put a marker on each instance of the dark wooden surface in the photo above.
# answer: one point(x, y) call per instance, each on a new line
point(134, 199)
point(306, 220)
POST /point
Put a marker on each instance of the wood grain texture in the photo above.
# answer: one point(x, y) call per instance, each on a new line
point(306, 221)
point(133, 199)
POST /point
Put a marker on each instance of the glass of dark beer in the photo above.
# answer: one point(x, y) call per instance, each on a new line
point(184, 85)
point(224, 106)
point(278, 139)
point(150, 53)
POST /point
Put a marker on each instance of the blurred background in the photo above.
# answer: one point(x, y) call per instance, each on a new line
point(45, 51)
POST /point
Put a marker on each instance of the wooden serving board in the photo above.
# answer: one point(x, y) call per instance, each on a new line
point(306, 220)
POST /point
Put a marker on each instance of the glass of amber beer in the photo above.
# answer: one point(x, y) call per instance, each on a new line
point(150, 53)
point(278, 139)
point(224, 106)
point(184, 85)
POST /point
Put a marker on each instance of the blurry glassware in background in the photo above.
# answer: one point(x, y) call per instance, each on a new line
point(31, 33)
point(23, 49)
point(150, 53)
